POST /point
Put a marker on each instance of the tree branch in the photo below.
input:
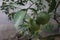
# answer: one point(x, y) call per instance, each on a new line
point(55, 16)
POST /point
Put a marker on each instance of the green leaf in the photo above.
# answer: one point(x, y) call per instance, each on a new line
point(18, 17)
point(48, 27)
point(52, 6)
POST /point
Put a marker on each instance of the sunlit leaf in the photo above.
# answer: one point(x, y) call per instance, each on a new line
point(18, 17)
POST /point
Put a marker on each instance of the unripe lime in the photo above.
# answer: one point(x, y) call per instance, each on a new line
point(42, 18)
point(33, 26)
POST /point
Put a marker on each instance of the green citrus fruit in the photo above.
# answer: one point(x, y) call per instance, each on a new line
point(33, 26)
point(42, 18)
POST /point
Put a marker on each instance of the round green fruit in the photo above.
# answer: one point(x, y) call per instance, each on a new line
point(33, 27)
point(42, 18)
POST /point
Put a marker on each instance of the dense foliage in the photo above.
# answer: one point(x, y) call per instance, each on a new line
point(29, 15)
